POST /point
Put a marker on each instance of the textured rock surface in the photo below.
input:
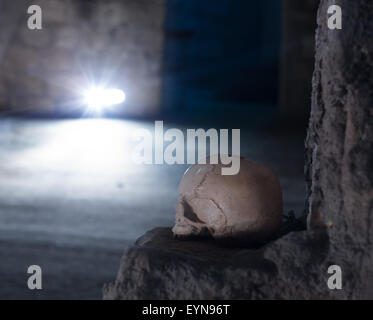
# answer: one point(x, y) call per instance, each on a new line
point(161, 267)
point(339, 166)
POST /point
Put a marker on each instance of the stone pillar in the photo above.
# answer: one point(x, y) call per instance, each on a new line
point(339, 146)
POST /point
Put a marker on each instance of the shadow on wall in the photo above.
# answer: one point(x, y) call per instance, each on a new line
point(240, 52)
point(297, 57)
point(221, 50)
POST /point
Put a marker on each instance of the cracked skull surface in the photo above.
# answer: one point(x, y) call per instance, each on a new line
point(246, 207)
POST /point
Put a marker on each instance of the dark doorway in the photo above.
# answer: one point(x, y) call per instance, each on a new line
point(220, 51)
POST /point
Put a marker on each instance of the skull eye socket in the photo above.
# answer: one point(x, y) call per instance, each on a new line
point(189, 213)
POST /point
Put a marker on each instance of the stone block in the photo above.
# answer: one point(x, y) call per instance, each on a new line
point(158, 266)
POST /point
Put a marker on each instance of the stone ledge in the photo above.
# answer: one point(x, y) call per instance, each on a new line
point(158, 266)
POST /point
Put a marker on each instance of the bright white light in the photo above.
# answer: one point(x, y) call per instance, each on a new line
point(99, 146)
point(99, 98)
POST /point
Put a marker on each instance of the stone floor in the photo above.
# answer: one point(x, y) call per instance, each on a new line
point(71, 200)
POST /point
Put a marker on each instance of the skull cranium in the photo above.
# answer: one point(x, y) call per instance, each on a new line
point(246, 207)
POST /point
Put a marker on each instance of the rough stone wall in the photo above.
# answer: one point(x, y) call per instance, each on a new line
point(339, 146)
point(119, 42)
point(297, 56)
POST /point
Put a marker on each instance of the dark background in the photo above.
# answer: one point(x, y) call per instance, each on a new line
point(217, 52)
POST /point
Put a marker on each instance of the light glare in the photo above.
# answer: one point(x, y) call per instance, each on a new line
point(98, 98)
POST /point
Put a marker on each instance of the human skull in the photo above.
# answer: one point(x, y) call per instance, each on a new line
point(246, 207)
